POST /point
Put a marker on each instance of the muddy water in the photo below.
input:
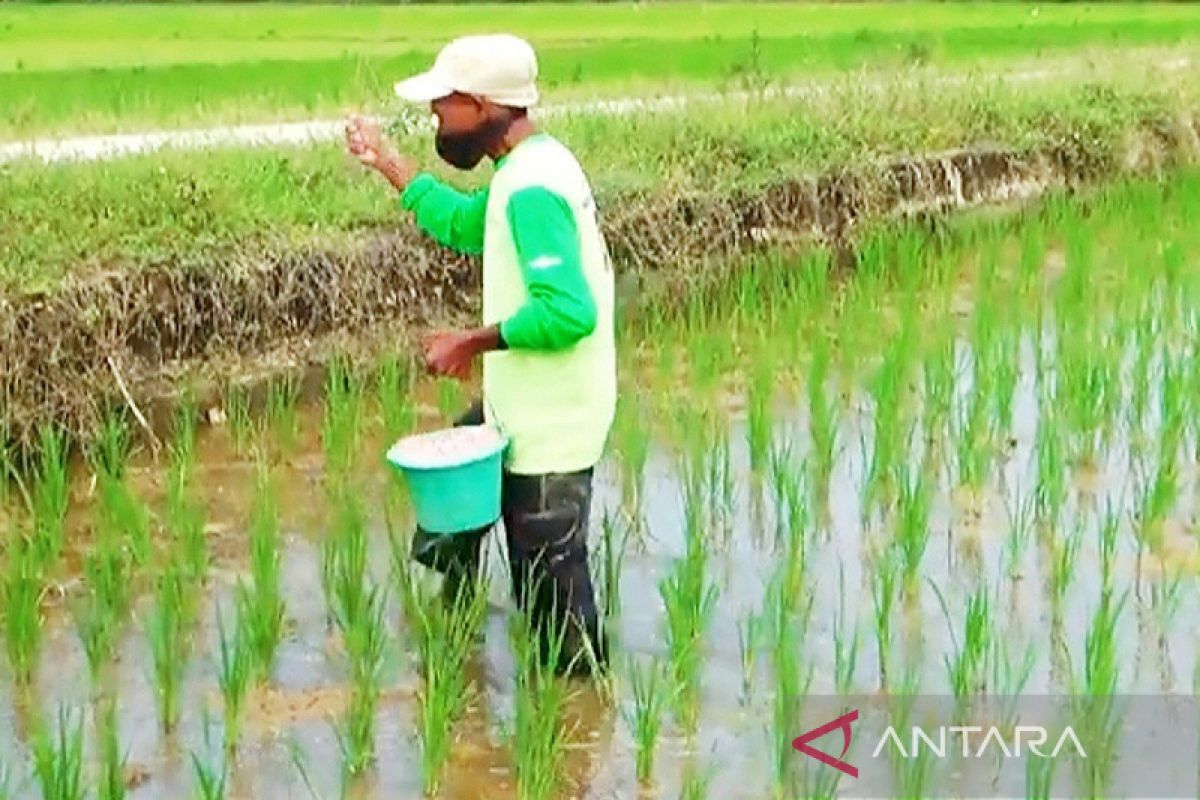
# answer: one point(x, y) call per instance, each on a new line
point(290, 748)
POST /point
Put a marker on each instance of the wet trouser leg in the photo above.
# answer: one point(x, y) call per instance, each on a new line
point(546, 521)
point(456, 556)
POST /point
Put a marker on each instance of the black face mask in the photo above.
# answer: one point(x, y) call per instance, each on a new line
point(461, 149)
point(465, 149)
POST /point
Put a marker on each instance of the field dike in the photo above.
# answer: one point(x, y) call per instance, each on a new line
point(134, 337)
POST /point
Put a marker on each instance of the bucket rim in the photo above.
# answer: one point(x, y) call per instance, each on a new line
point(501, 445)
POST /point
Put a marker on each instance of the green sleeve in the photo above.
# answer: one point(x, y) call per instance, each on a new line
point(451, 217)
point(560, 309)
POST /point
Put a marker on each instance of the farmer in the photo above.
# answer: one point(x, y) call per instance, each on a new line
point(549, 367)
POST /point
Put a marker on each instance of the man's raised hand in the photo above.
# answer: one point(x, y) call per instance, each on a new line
point(365, 141)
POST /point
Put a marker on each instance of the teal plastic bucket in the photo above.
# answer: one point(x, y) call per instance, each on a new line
point(454, 497)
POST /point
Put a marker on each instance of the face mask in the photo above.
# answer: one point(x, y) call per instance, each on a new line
point(465, 149)
point(461, 149)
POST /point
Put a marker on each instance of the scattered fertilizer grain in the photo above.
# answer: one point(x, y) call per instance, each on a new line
point(446, 448)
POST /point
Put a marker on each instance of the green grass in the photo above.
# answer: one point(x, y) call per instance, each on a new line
point(83, 67)
point(233, 207)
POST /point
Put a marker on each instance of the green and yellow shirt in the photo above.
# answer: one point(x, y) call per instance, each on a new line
point(548, 284)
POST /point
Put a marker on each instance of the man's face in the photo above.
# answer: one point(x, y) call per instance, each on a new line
point(467, 128)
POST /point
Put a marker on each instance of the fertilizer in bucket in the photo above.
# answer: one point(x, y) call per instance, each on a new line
point(453, 476)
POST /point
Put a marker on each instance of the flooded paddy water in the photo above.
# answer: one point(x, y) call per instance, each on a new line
point(968, 468)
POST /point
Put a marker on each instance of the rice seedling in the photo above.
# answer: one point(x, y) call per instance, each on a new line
point(1096, 715)
point(444, 637)
point(101, 614)
point(58, 759)
point(184, 521)
point(344, 560)
point(1012, 667)
point(1173, 410)
point(1108, 532)
point(1086, 384)
point(1140, 383)
point(913, 775)
point(644, 718)
point(282, 419)
point(883, 595)
point(791, 680)
point(1032, 257)
point(110, 452)
point(758, 423)
point(689, 597)
point(631, 438)
point(235, 670)
point(237, 414)
point(537, 737)
point(1039, 778)
point(938, 380)
point(822, 414)
point(395, 379)
point(966, 670)
point(50, 495)
point(1005, 371)
point(1018, 532)
point(168, 645)
point(22, 596)
point(111, 784)
point(365, 638)
point(695, 783)
point(749, 635)
point(211, 781)
point(912, 528)
point(297, 757)
point(1064, 553)
point(342, 424)
point(612, 553)
point(1051, 491)
point(260, 605)
point(183, 445)
point(845, 645)
point(121, 511)
point(890, 432)
point(971, 434)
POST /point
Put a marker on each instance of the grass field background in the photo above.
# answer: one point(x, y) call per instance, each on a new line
point(68, 68)
point(220, 207)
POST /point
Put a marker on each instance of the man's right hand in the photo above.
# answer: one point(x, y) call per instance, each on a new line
point(365, 141)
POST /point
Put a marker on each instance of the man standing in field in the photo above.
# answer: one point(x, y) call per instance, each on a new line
point(549, 365)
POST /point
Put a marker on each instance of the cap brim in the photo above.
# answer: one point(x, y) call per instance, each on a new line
point(422, 88)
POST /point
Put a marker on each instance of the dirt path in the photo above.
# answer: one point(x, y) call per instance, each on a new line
point(293, 134)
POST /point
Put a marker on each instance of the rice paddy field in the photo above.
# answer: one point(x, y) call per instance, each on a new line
point(941, 454)
point(968, 467)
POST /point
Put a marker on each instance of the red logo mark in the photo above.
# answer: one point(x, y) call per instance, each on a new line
point(801, 743)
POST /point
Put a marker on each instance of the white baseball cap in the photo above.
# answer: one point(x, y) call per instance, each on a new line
point(499, 67)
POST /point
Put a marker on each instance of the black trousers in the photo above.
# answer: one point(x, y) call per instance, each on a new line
point(546, 525)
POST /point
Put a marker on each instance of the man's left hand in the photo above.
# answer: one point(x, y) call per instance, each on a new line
point(450, 353)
